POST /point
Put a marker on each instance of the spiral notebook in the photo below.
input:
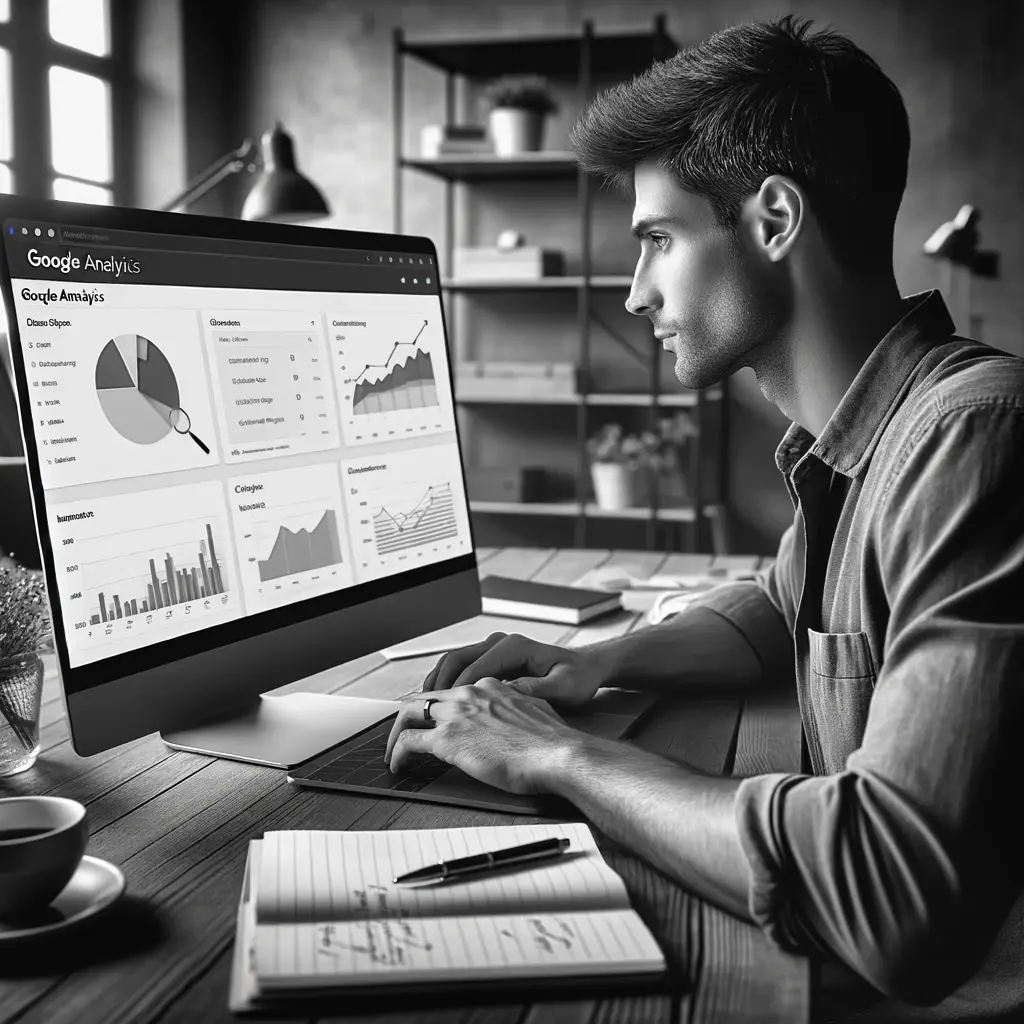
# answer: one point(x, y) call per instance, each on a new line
point(320, 914)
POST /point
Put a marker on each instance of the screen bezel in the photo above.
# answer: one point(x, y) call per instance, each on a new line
point(77, 679)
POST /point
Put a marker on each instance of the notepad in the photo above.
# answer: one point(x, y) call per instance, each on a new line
point(320, 913)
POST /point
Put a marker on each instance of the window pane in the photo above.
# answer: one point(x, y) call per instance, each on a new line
point(5, 104)
point(81, 24)
point(6, 181)
point(5, 10)
point(80, 124)
point(79, 192)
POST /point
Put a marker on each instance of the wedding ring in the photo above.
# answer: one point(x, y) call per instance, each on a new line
point(427, 717)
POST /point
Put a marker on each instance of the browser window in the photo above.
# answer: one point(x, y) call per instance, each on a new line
point(227, 427)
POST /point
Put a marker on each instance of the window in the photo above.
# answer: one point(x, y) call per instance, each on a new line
point(5, 119)
point(59, 75)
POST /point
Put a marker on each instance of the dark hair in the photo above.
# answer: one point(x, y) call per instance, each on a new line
point(760, 99)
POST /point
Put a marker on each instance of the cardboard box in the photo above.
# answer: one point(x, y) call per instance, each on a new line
point(527, 263)
point(505, 483)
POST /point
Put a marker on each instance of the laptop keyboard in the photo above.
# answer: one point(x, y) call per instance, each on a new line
point(361, 763)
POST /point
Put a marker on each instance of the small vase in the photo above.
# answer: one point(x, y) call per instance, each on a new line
point(615, 485)
point(21, 687)
point(514, 131)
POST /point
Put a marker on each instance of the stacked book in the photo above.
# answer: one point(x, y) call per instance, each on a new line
point(454, 139)
point(490, 380)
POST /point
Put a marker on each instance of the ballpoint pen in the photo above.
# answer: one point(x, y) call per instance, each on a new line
point(542, 850)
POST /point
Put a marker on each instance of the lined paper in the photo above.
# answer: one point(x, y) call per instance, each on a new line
point(290, 956)
point(310, 877)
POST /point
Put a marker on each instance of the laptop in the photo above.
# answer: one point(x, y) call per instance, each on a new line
point(358, 766)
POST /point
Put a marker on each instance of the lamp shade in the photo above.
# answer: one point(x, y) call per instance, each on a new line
point(280, 192)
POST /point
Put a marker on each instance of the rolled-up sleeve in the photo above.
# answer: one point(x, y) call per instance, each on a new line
point(763, 611)
point(906, 864)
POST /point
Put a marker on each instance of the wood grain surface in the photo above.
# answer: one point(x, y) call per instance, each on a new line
point(178, 825)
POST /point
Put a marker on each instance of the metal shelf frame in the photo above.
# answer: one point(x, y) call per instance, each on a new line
point(595, 57)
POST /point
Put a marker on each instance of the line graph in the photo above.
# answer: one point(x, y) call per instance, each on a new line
point(405, 508)
point(432, 518)
point(393, 374)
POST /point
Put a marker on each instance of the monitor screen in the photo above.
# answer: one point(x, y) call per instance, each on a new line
point(230, 432)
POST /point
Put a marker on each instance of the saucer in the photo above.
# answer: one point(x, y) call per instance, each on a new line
point(93, 887)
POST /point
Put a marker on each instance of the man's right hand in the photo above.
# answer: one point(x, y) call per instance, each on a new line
point(556, 674)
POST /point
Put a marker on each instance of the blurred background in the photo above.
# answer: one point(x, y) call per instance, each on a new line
point(128, 101)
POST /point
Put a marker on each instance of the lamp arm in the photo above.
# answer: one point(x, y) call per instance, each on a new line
point(230, 163)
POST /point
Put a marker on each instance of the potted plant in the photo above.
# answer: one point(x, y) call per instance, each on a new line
point(625, 466)
point(519, 105)
point(24, 631)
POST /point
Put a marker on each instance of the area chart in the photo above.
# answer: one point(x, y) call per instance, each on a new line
point(303, 550)
point(137, 389)
point(431, 519)
point(409, 385)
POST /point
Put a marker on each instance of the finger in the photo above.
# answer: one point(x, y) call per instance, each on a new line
point(430, 682)
point(411, 742)
point(410, 715)
point(526, 685)
point(503, 658)
point(455, 662)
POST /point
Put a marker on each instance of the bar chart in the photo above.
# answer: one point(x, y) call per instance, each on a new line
point(169, 586)
point(138, 568)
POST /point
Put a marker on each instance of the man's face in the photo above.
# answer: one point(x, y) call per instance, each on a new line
point(712, 299)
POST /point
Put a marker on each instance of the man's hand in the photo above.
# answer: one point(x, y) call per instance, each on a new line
point(488, 730)
point(531, 668)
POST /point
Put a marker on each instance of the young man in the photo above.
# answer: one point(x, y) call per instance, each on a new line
point(767, 167)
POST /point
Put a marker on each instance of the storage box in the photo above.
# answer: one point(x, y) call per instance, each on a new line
point(526, 263)
point(445, 139)
point(515, 380)
point(505, 483)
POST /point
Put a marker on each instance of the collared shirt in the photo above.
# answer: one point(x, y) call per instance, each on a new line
point(896, 602)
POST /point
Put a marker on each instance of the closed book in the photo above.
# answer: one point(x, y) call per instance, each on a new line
point(546, 602)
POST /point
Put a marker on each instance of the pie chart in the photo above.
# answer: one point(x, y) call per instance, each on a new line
point(137, 389)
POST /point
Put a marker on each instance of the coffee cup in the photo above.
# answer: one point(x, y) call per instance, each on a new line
point(42, 840)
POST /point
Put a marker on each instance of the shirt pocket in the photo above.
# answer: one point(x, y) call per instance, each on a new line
point(841, 681)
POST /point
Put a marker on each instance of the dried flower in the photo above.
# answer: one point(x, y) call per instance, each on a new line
point(523, 92)
point(659, 450)
point(24, 614)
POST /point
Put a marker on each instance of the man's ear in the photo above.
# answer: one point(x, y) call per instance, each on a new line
point(775, 215)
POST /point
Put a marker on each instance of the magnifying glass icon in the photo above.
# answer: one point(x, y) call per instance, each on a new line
point(183, 425)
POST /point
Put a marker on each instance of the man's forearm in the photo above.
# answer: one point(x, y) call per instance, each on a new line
point(679, 821)
point(695, 649)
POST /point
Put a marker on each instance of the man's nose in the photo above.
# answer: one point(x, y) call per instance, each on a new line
point(642, 298)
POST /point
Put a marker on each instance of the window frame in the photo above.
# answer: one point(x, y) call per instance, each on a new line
point(27, 38)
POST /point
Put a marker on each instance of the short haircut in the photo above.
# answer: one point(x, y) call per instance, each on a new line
point(760, 99)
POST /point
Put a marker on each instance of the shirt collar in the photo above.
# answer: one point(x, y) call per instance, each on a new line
point(853, 430)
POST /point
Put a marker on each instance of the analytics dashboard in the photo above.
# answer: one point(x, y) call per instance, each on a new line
point(210, 451)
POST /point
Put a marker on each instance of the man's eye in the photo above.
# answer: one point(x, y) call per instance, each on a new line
point(659, 240)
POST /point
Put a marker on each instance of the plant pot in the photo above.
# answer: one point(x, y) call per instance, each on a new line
point(616, 485)
point(515, 131)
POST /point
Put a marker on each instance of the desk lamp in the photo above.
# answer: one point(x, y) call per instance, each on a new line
point(281, 193)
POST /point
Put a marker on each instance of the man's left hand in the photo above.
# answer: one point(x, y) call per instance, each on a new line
point(490, 731)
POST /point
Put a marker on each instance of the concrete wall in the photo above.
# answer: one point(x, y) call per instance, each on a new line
point(324, 69)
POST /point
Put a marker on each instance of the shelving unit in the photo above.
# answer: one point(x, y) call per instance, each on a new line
point(592, 57)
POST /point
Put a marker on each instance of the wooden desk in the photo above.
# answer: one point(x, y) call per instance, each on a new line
point(178, 825)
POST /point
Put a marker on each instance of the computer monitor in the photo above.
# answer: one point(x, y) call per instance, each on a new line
point(244, 464)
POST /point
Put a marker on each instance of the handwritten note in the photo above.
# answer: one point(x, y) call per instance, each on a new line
point(306, 877)
point(453, 948)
